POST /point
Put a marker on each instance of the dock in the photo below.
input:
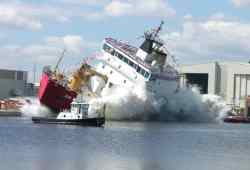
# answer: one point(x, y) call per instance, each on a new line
point(10, 113)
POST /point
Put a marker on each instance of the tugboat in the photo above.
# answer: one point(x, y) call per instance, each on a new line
point(76, 115)
point(236, 119)
point(240, 115)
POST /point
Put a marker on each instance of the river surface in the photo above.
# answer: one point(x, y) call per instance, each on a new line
point(123, 146)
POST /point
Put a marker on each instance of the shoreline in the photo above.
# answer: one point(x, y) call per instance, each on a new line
point(10, 113)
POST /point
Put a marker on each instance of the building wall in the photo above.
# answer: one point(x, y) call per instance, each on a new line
point(12, 81)
point(237, 74)
point(209, 69)
point(227, 79)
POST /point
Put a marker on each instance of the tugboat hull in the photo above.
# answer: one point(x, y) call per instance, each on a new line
point(237, 119)
point(97, 122)
point(54, 95)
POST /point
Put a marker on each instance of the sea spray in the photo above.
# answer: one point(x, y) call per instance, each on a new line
point(136, 104)
point(32, 107)
point(184, 104)
point(123, 103)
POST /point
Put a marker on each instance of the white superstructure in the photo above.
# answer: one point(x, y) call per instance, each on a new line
point(78, 110)
point(126, 65)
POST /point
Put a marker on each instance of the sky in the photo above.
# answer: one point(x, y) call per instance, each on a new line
point(34, 33)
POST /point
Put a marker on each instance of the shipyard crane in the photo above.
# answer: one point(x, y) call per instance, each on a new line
point(82, 77)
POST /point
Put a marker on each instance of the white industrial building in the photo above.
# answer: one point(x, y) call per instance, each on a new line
point(12, 83)
point(230, 80)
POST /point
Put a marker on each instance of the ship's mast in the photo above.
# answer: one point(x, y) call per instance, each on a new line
point(154, 33)
point(59, 60)
point(151, 39)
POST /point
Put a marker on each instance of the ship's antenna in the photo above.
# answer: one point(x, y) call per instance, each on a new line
point(60, 59)
point(156, 32)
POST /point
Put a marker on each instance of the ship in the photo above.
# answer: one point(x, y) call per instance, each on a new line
point(77, 114)
point(128, 66)
point(120, 64)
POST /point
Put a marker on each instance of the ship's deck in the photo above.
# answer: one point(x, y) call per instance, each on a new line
point(127, 49)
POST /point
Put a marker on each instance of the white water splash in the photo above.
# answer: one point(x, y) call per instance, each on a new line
point(32, 107)
point(186, 104)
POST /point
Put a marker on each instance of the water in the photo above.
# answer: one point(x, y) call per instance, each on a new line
point(120, 146)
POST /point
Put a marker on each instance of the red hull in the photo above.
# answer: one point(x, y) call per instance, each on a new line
point(53, 95)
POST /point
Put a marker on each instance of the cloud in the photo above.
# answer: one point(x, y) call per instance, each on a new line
point(33, 16)
point(157, 8)
point(14, 16)
point(46, 52)
point(20, 15)
point(241, 3)
point(210, 40)
point(83, 2)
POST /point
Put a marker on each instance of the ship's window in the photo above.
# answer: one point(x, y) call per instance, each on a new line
point(146, 74)
point(124, 81)
point(130, 63)
point(79, 109)
point(142, 72)
point(120, 56)
point(152, 78)
point(116, 53)
point(112, 51)
point(111, 72)
point(108, 49)
point(135, 66)
point(138, 69)
point(125, 59)
point(64, 115)
point(103, 66)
